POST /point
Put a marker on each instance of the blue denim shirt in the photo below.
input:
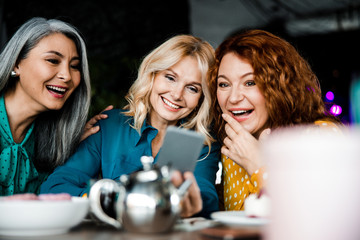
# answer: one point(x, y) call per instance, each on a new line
point(116, 150)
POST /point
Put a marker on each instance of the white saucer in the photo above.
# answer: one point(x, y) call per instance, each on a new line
point(238, 218)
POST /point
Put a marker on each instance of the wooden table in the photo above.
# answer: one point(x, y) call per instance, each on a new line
point(198, 230)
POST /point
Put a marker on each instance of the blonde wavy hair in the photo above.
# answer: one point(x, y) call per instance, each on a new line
point(164, 57)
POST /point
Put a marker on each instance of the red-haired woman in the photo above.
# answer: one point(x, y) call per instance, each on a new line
point(260, 83)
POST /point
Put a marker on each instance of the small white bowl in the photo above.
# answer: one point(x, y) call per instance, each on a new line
point(35, 217)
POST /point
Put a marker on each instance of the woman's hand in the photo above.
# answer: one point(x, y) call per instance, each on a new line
point(241, 146)
point(90, 129)
point(192, 202)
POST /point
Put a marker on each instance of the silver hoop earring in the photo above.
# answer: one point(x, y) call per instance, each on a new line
point(13, 74)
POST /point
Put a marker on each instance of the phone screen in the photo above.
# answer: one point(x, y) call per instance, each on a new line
point(181, 149)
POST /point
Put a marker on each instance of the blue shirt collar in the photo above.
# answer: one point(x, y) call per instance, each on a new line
point(6, 126)
point(147, 130)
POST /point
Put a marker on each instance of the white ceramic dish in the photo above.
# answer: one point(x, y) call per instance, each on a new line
point(36, 218)
point(237, 218)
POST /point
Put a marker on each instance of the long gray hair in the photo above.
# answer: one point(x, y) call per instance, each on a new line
point(57, 133)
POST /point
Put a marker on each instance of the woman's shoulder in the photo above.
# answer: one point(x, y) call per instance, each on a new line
point(326, 123)
point(116, 113)
point(116, 116)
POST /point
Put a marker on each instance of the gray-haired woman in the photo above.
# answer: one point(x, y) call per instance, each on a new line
point(44, 102)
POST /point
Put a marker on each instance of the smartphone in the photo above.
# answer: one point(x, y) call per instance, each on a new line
point(181, 149)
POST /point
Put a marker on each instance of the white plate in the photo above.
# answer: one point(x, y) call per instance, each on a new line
point(237, 218)
point(35, 217)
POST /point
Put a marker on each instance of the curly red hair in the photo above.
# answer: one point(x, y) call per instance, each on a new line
point(290, 88)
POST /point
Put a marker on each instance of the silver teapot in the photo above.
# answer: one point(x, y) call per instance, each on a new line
point(144, 202)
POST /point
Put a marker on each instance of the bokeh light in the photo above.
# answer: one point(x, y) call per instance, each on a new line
point(335, 110)
point(330, 96)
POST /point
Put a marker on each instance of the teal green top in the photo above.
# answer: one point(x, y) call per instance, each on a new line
point(17, 171)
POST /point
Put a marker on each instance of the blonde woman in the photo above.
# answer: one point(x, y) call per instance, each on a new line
point(171, 90)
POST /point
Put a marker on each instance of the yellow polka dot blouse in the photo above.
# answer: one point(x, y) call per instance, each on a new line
point(238, 184)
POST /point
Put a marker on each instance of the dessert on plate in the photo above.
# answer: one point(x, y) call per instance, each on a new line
point(257, 205)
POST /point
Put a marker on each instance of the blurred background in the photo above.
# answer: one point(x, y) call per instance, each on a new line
point(120, 33)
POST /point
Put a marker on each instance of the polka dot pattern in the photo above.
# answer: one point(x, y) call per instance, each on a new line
point(17, 172)
point(238, 184)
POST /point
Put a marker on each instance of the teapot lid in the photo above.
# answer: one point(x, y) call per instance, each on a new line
point(147, 162)
point(150, 172)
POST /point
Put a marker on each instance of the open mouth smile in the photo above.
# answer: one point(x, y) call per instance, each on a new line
point(242, 112)
point(56, 90)
point(170, 104)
